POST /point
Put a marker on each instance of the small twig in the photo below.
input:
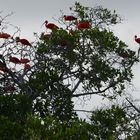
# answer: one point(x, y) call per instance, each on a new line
point(87, 111)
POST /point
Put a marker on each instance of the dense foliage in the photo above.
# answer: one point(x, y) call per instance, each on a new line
point(81, 57)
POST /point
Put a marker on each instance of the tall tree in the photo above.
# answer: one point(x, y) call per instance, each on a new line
point(82, 58)
point(79, 58)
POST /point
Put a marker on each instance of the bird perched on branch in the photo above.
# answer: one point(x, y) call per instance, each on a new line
point(23, 41)
point(24, 60)
point(137, 40)
point(69, 18)
point(83, 25)
point(14, 60)
point(50, 26)
point(5, 35)
point(27, 66)
point(3, 67)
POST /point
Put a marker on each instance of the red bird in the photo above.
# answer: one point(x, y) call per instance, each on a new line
point(15, 60)
point(50, 26)
point(5, 35)
point(23, 41)
point(26, 66)
point(137, 39)
point(69, 18)
point(83, 25)
point(3, 69)
point(24, 60)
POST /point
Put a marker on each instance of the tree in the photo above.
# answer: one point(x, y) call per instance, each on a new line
point(84, 61)
point(81, 58)
point(111, 123)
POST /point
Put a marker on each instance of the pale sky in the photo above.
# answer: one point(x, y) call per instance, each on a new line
point(30, 14)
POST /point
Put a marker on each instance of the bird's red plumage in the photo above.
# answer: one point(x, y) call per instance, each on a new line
point(69, 18)
point(14, 60)
point(25, 42)
point(5, 35)
point(24, 60)
point(83, 25)
point(50, 26)
point(137, 39)
point(4, 69)
point(27, 66)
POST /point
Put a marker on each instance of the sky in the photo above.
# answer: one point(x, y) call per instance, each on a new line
point(30, 14)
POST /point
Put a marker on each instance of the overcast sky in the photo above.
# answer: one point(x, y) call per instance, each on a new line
point(30, 14)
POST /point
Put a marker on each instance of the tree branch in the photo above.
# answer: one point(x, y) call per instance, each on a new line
point(133, 105)
point(87, 111)
point(96, 92)
point(76, 86)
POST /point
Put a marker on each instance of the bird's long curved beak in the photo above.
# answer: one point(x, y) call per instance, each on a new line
point(42, 24)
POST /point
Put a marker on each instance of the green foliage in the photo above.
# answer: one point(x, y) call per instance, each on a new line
point(10, 129)
point(90, 58)
point(53, 129)
point(101, 17)
point(65, 63)
point(15, 107)
point(111, 123)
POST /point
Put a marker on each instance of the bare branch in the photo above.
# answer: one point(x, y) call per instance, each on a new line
point(76, 86)
point(87, 111)
point(96, 92)
point(133, 105)
point(87, 93)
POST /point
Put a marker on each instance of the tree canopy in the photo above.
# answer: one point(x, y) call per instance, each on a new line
point(79, 57)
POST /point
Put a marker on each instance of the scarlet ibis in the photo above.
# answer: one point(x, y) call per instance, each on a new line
point(5, 35)
point(26, 66)
point(23, 41)
point(15, 60)
point(137, 39)
point(50, 26)
point(24, 60)
point(69, 18)
point(83, 25)
point(2, 64)
point(3, 67)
